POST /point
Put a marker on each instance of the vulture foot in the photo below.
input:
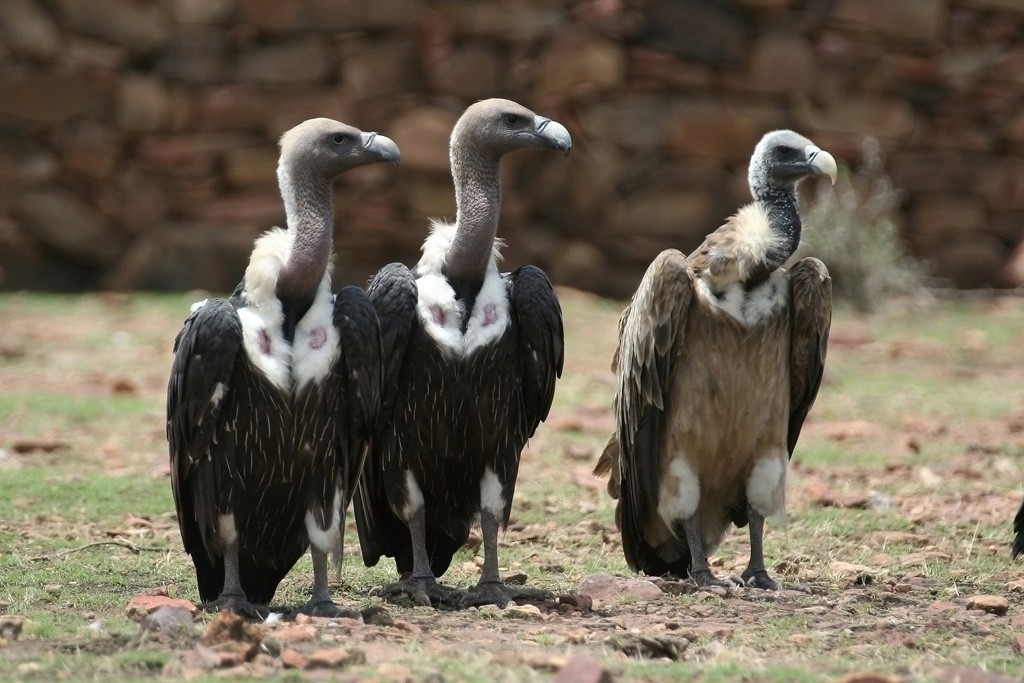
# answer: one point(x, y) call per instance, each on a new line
point(231, 602)
point(500, 594)
point(704, 577)
point(329, 608)
point(758, 578)
point(426, 592)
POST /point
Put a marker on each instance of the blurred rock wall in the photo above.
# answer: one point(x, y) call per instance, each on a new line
point(138, 138)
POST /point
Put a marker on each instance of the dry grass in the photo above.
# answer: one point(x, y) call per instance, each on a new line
point(900, 501)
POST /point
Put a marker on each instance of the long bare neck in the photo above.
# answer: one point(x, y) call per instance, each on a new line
point(310, 213)
point(784, 218)
point(478, 204)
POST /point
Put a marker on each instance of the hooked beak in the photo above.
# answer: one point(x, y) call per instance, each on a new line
point(553, 134)
point(821, 162)
point(382, 146)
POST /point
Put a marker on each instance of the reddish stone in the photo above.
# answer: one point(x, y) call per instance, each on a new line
point(28, 29)
point(143, 605)
point(293, 659)
point(47, 98)
point(141, 27)
point(335, 658)
point(300, 60)
point(297, 633)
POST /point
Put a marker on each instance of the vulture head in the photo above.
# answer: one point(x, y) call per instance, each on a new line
point(495, 127)
point(322, 148)
point(782, 158)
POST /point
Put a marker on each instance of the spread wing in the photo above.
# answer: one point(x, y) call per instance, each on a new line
point(392, 293)
point(205, 352)
point(811, 296)
point(650, 334)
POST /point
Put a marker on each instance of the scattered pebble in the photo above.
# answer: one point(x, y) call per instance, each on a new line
point(165, 619)
point(335, 658)
point(993, 604)
point(529, 612)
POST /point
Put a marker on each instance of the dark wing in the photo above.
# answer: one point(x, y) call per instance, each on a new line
point(205, 353)
point(651, 333)
point(811, 315)
point(1018, 528)
point(393, 295)
point(541, 341)
point(349, 407)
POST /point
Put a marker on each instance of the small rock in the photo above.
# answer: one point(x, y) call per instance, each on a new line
point(10, 626)
point(993, 604)
point(867, 677)
point(335, 658)
point(293, 659)
point(530, 612)
point(648, 646)
point(297, 634)
point(608, 587)
point(1018, 643)
point(168, 619)
point(142, 606)
point(377, 616)
point(234, 634)
point(582, 669)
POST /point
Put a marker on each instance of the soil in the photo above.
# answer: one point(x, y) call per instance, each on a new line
point(931, 597)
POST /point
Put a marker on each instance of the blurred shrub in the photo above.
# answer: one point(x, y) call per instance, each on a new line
point(851, 228)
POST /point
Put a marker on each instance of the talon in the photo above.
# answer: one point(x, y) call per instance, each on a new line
point(759, 578)
point(232, 602)
point(329, 608)
point(704, 577)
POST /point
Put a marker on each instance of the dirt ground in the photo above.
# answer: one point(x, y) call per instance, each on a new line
point(894, 557)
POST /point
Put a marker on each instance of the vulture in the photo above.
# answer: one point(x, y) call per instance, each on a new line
point(719, 358)
point(471, 358)
point(273, 392)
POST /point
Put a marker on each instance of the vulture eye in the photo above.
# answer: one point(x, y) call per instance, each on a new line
point(338, 138)
point(511, 119)
point(785, 152)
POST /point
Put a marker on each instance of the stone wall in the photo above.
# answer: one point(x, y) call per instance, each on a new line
point(137, 138)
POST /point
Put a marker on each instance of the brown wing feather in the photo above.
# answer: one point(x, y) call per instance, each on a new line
point(650, 334)
point(811, 294)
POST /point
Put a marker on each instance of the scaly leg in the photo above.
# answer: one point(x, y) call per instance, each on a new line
point(755, 574)
point(232, 597)
point(491, 590)
point(699, 570)
point(320, 603)
point(422, 587)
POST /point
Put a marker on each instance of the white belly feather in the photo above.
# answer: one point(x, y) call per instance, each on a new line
point(442, 315)
point(752, 307)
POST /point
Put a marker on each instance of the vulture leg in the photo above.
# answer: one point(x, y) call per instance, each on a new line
point(232, 597)
point(421, 586)
point(755, 574)
point(491, 590)
point(699, 570)
point(320, 603)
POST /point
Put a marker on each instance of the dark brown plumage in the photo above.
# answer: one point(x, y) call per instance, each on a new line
point(720, 357)
point(272, 393)
point(472, 355)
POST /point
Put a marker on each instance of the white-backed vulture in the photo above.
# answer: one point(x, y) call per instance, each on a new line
point(272, 392)
point(719, 359)
point(471, 360)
